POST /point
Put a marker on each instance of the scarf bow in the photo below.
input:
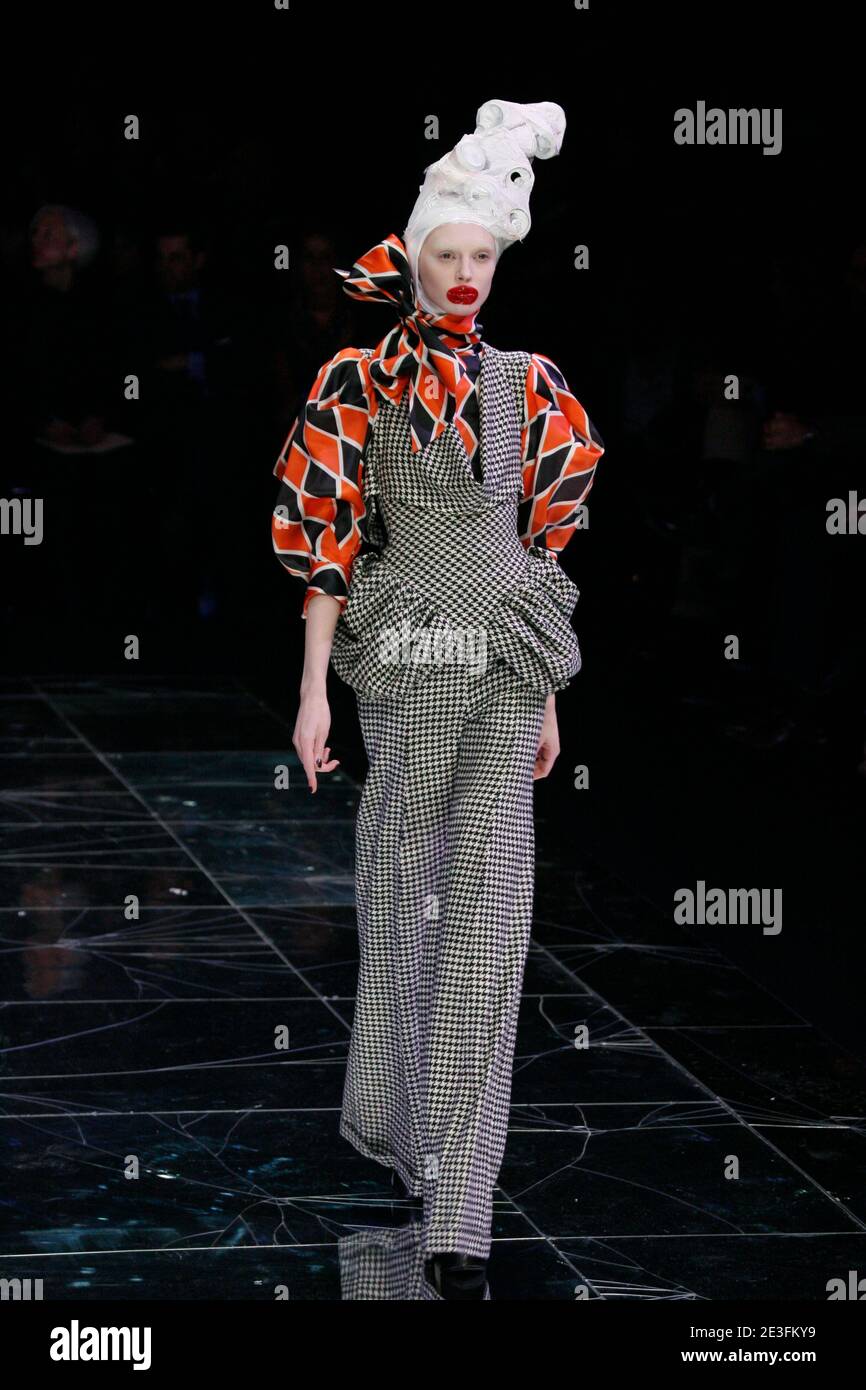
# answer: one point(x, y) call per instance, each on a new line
point(424, 352)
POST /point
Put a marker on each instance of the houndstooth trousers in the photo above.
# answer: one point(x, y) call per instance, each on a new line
point(444, 844)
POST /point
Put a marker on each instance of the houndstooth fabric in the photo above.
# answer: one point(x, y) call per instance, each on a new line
point(444, 847)
point(451, 556)
point(386, 1263)
point(444, 867)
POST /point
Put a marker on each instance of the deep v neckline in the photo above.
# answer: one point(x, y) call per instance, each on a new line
point(467, 470)
point(445, 460)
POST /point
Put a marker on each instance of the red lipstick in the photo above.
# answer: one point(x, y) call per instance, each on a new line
point(462, 294)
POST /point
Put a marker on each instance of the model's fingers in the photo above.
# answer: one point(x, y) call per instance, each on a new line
point(322, 762)
point(545, 760)
point(305, 753)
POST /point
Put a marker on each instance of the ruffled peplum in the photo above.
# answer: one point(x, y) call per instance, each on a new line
point(380, 605)
point(529, 629)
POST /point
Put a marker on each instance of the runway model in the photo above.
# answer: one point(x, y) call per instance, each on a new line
point(426, 489)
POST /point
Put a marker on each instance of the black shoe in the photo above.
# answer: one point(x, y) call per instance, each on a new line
point(455, 1275)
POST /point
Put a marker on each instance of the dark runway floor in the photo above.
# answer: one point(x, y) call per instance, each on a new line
point(172, 1081)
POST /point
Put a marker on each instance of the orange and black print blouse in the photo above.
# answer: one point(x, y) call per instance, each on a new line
point(318, 521)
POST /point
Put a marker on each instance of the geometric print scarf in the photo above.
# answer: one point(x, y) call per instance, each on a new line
point(425, 351)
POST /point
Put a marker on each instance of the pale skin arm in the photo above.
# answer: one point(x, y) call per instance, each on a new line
point(314, 716)
point(548, 742)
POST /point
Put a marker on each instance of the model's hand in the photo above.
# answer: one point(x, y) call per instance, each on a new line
point(548, 741)
point(311, 730)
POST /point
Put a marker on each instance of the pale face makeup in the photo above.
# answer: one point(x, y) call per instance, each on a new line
point(456, 265)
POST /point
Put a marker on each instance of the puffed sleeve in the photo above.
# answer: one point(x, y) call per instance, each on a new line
point(560, 448)
point(316, 521)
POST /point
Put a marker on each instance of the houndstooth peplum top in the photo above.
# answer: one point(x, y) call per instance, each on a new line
point(436, 541)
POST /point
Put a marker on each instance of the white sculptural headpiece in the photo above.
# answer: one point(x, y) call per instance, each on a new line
point(486, 179)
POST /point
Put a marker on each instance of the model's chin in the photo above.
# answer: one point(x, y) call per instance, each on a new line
point(462, 311)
